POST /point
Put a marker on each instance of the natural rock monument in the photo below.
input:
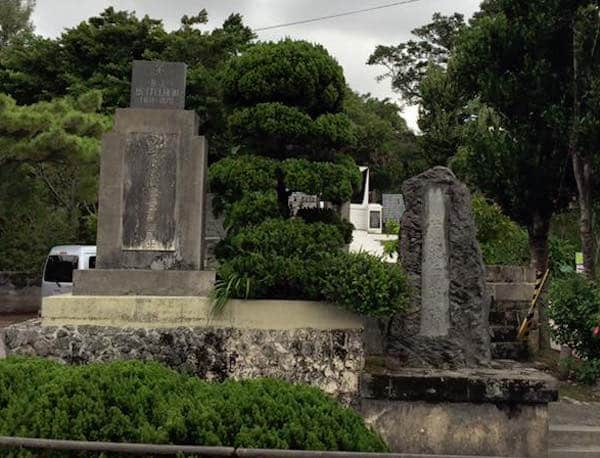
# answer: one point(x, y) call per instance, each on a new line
point(152, 194)
point(436, 393)
point(447, 322)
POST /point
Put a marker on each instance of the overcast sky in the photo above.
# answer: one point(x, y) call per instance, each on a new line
point(350, 39)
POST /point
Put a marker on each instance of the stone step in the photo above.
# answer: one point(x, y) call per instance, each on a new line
point(509, 350)
point(505, 318)
point(510, 306)
point(503, 333)
point(497, 273)
point(505, 291)
point(561, 436)
point(574, 452)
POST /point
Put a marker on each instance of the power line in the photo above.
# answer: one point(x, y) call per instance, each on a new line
point(331, 16)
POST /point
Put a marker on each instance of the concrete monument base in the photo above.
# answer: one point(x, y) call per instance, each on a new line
point(173, 311)
point(298, 341)
point(463, 412)
point(126, 282)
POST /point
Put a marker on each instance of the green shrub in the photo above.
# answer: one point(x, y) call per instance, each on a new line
point(588, 371)
point(575, 309)
point(365, 284)
point(502, 241)
point(357, 282)
point(146, 402)
point(232, 177)
point(330, 181)
point(252, 209)
point(327, 216)
point(296, 73)
point(561, 256)
point(288, 238)
point(273, 121)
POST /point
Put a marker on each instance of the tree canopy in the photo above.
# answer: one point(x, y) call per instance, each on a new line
point(15, 20)
point(49, 160)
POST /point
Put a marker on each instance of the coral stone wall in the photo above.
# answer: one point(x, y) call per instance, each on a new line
point(329, 359)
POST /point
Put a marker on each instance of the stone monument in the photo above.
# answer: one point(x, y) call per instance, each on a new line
point(447, 322)
point(437, 393)
point(152, 194)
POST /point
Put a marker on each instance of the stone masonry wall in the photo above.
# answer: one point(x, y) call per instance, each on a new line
point(20, 292)
point(329, 359)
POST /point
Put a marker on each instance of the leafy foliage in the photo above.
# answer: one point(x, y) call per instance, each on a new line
point(575, 309)
point(232, 177)
point(327, 216)
point(364, 284)
point(406, 64)
point(383, 142)
point(15, 20)
point(502, 241)
point(49, 157)
point(292, 259)
point(97, 54)
point(331, 182)
point(146, 402)
point(294, 73)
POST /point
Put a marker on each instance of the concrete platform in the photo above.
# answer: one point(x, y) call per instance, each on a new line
point(474, 412)
point(127, 282)
point(173, 311)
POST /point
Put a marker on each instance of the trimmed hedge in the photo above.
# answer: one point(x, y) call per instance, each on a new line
point(292, 259)
point(145, 402)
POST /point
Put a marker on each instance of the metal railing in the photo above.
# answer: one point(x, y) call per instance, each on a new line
point(199, 450)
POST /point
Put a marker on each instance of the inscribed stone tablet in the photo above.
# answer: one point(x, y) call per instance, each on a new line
point(158, 84)
point(149, 191)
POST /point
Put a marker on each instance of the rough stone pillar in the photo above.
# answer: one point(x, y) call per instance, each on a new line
point(447, 321)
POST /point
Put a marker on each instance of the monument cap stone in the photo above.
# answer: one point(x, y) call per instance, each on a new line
point(158, 84)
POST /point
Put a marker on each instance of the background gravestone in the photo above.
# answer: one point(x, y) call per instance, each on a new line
point(152, 193)
point(447, 322)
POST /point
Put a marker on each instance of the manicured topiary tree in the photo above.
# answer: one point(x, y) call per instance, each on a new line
point(285, 102)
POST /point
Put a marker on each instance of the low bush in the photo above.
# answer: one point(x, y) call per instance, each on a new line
point(288, 238)
point(365, 284)
point(252, 209)
point(588, 372)
point(575, 309)
point(358, 282)
point(146, 402)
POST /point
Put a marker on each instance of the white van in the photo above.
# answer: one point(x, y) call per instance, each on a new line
point(60, 264)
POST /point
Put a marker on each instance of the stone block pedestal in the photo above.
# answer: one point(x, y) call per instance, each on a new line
point(124, 282)
point(480, 412)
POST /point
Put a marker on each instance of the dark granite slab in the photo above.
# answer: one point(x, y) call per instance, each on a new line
point(158, 84)
point(522, 386)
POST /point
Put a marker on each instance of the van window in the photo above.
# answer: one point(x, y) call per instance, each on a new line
point(59, 268)
point(92, 262)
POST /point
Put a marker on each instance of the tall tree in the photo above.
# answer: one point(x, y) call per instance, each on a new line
point(383, 142)
point(407, 63)
point(516, 57)
point(49, 157)
point(585, 126)
point(97, 54)
point(15, 19)
point(417, 70)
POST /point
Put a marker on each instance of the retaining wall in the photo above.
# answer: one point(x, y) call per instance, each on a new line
point(20, 292)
